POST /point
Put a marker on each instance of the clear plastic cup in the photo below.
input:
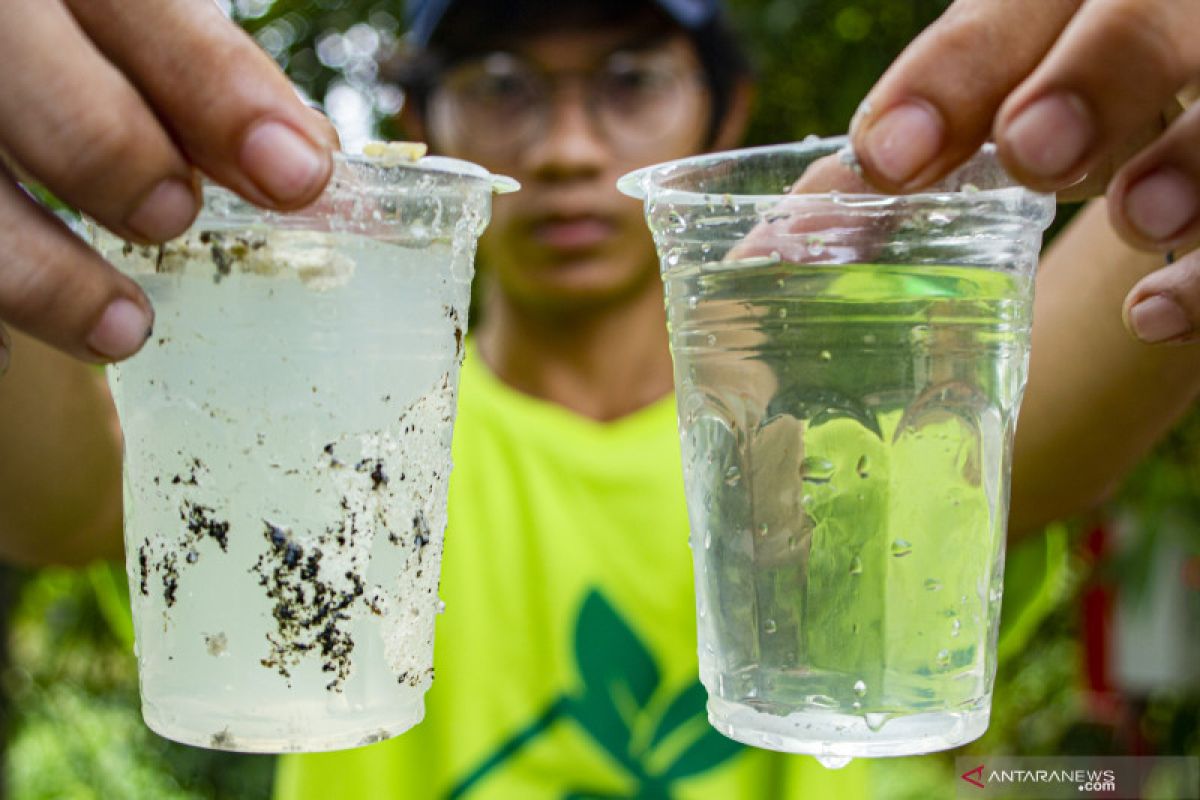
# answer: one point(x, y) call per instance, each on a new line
point(848, 369)
point(287, 448)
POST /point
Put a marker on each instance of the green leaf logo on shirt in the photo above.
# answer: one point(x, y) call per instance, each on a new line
point(615, 706)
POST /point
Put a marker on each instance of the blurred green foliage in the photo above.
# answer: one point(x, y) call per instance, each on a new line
point(815, 59)
point(1163, 491)
point(78, 730)
point(72, 720)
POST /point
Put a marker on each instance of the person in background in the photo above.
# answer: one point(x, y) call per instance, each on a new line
point(569, 575)
point(566, 661)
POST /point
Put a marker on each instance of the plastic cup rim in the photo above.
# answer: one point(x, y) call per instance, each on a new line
point(499, 184)
point(640, 183)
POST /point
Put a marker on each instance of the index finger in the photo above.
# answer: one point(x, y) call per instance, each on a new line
point(936, 104)
point(226, 102)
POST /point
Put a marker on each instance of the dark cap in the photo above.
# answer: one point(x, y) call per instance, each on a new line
point(456, 26)
point(424, 16)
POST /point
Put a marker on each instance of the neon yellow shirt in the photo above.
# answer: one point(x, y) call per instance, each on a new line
point(566, 660)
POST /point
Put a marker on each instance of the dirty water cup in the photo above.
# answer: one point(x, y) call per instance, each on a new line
point(287, 448)
point(848, 369)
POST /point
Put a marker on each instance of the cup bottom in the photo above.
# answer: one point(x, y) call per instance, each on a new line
point(200, 727)
point(831, 734)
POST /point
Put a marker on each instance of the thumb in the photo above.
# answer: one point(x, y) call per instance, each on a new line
point(1164, 307)
point(57, 289)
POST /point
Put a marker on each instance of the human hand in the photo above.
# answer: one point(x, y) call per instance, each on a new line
point(114, 105)
point(1080, 96)
point(1075, 93)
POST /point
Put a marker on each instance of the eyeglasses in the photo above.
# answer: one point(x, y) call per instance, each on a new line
point(502, 102)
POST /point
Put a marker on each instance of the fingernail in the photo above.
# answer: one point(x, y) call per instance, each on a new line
point(860, 116)
point(166, 212)
point(1162, 204)
point(121, 331)
point(284, 164)
point(1158, 318)
point(903, 141)
point(1051, 135)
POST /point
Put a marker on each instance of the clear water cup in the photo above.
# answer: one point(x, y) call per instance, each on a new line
point(848, 369)
point(287, 448)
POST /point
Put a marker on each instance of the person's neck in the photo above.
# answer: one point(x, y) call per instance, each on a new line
point(602, 363)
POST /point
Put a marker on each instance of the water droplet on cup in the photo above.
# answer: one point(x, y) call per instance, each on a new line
point(732, 476)
point(860, 688)
point(783, 313)
point(955, 627)
point(769, 626)
point(876, 719)
point(712, 339)
point(693, 302)
point(816, 470)
point(943, 658)
point(932, 584)
point(708, 540)
point(856, 566)
point(763, 529)
point(833, 762)
point(863, 467)
point(826, 355)
point(901, 548)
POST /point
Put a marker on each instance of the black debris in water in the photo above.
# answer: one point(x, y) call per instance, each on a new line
point(311, 608)
point(200, 523)
point(144, 568)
